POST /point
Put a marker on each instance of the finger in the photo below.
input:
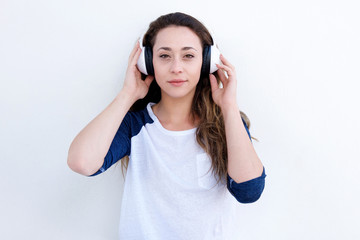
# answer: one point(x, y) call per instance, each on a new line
point(136, 57)
point(221, 73)
point(226, 62)
point(213, 83)
point(228, 70)
point(136, 47)
point(138, 40)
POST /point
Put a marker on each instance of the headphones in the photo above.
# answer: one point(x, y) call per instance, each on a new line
point(211, 56)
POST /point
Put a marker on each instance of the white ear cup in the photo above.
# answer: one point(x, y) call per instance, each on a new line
point(215, 58)
point(141, 61)
point(215, 52)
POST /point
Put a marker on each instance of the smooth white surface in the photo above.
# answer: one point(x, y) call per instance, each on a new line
point(215, 58)
point(141, 64)
point(297, 64)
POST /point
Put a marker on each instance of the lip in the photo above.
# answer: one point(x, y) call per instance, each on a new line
point(177, 82)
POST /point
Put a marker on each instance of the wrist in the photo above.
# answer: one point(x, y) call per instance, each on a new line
point(230, 108)
point(127, 96)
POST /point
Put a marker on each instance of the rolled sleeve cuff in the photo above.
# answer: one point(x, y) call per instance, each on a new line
point(249, 191)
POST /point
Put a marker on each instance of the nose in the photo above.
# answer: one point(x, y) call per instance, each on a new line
point(176, 66)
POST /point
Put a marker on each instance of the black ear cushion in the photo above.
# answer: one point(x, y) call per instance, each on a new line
point(149, 61)
point(205, 68)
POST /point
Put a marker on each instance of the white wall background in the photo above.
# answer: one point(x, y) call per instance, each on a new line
point(63, 62)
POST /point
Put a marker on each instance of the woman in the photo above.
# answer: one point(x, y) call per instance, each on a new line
point(182, 138)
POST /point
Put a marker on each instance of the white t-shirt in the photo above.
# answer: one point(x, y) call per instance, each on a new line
point(170, 191)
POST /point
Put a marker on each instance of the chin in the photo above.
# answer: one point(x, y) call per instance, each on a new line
point(178, 94)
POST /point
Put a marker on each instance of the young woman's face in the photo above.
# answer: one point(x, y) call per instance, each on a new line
point(177, 59)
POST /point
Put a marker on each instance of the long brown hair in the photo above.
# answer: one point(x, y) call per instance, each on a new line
point(210, 133)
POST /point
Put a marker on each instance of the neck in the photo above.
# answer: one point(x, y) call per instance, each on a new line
point(175, 113)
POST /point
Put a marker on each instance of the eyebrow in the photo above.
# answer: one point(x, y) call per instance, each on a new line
point(169, 49)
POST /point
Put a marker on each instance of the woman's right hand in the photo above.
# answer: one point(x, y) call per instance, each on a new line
point(133, 84)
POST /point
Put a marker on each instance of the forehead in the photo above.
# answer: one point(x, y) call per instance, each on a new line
point(177, 37)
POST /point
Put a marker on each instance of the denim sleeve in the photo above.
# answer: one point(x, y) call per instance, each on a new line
point(249, 191)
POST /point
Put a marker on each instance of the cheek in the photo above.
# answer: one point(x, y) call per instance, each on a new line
point(196, 68)
point(158, 69)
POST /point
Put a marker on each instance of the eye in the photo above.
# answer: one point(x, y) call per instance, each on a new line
point(189, 56)
point(164, 56)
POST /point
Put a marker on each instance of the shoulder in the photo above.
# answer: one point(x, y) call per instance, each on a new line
point(137, 119)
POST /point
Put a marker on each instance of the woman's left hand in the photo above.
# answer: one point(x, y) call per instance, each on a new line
point(225, 96)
